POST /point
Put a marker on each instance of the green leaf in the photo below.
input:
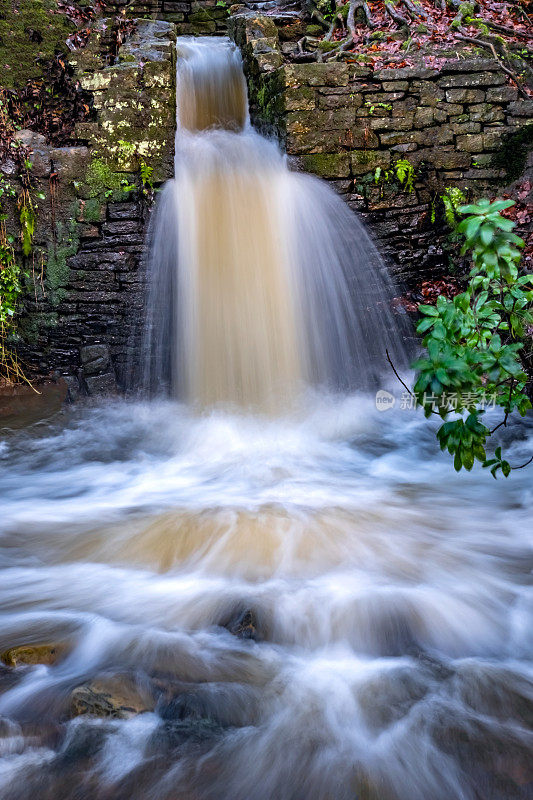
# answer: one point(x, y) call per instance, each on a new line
point(430, 311)
point(425, 324)
point(501, 205)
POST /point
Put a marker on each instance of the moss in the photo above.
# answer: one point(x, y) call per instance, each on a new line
point(57, 269)
point(91, 211)
point(31, 326)
point(30, 30)
point(102, 183)
point(100, 177)
point(327, 46)
point(513, 152)
point(327, 165)
point(314, 30)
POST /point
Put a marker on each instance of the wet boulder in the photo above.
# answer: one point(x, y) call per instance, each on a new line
point(31, 654)
point(116, 695)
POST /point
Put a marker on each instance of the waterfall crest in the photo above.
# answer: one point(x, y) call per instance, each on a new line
point(261, 279)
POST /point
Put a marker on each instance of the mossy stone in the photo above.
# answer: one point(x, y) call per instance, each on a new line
point(30, 31)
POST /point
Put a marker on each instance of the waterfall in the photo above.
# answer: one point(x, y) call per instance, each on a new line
point(261, 280)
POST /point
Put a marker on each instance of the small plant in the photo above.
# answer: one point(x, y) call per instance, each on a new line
point(452, 199)
point(372, 107)
point(402, 171)
point(405, 174)
point(27, 219)
point(473, 342)
point(127, 149)
point(10, 291)
point(147, 174)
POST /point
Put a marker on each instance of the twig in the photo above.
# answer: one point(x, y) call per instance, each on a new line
point(524, 465)
point(405, 386)
point(503, 422)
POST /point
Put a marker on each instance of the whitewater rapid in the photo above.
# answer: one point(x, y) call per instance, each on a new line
point(391, 598)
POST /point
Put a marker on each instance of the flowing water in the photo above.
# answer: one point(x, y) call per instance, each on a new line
point(304, 606)
point(262, 280)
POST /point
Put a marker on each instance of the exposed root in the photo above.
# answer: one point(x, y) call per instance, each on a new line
point(507, 31)
point(333, 27)
point(415, 11)
point(350, 21)
point(395, 15)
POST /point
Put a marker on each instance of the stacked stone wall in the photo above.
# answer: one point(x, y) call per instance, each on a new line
point(191, 17)
point(351, 125)
point(83, 302)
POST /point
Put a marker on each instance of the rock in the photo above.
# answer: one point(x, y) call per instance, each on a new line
point(396, 74)
point(243, 625)
point(101, 384)
point(333, 74)
point(8, 167)
point(33, 654)
point(39, 152)
point(121, 227)
point(501, 94)
point(364, 161)
point(521, 108)
point(473, 80)
point(70, 162)
point(83, 741)
point(172, 734)
point(74, 389)
point(327, 165)
point(118, 695)
point(465, 95)
point(95, 358)
point(124, 211)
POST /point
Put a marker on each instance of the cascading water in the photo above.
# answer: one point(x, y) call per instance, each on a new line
point(261, 279)
point(312, 606)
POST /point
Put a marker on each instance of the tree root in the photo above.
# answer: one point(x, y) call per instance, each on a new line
point(332, 28)
point(395, 15)
point(507, 31)
point(350, 21)
point(415, 11)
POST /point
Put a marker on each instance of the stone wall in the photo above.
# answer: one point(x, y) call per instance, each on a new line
point(191, 17)
point(343, 121)
point(84, 298)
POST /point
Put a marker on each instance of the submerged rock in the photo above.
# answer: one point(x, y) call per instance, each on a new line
point(120, 696)
point(172, 734)
point(243, 625)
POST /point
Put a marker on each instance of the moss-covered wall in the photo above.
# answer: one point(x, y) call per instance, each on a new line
point(191, 17)
point(30, 30)
point(85, 282)
point(343, 121)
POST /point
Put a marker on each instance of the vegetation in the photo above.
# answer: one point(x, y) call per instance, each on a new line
point(376, 30)
point(474, 343)
point(402, 171)
point(10, 291)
